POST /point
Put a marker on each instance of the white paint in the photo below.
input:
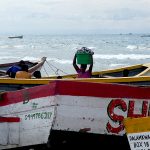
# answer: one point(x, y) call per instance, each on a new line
point(13, 133)
point(37, 129)
point(20, 107)
point(77, 112)
point(34, 126)
point(3, 133)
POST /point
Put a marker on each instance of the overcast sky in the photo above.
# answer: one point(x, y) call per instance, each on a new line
point(74, 16)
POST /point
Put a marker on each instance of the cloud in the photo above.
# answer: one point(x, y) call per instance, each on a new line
point(89, 15)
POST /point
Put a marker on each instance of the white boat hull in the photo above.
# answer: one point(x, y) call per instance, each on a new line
point(34, 124)
point(68, 106)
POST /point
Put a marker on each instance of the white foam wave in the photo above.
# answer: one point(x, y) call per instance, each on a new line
point(122, 56)
point(144, 48)
point(30, 58)
point(19, 46)
point(61, 61)
point(90, 47)
point(132, 47)
point(12, 46)
point(139, 47)
point(115, 65)
point(8, 57)
point(4, 46)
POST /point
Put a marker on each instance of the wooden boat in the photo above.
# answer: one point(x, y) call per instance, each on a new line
point(133, 71)
point(9, 84)
point(29, 116)
point(138, 75)
point(18, 37)
point(33, 66)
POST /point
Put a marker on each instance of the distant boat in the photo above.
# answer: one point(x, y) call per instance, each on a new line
point(20, 37)
point(145, 35)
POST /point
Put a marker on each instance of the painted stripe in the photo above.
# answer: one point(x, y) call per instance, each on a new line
point(46, 80)
point(73, 88)
point(106, 90)
point(28, 94)
point(137, 125)
point(9, 119)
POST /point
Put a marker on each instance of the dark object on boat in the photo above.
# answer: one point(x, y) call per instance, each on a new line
point(37, 74)
point(33, 66)
point(19, 37)
point(125, 73)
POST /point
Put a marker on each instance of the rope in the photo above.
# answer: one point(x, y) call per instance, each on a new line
point(51, 67)
point(45, 70)
point(57, 69)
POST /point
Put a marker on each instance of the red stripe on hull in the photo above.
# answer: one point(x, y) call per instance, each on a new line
point(9, 119)
point(105, 90)
point(27, 94)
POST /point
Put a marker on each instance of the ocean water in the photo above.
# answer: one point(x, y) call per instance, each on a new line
point(110, 51)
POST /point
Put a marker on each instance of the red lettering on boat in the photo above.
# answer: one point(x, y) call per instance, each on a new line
point(116, 118)
point(143, 110)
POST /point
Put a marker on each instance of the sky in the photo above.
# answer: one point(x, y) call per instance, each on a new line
point(74, 16)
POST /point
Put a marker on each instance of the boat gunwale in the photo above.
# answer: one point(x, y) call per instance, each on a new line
point(97, 80)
